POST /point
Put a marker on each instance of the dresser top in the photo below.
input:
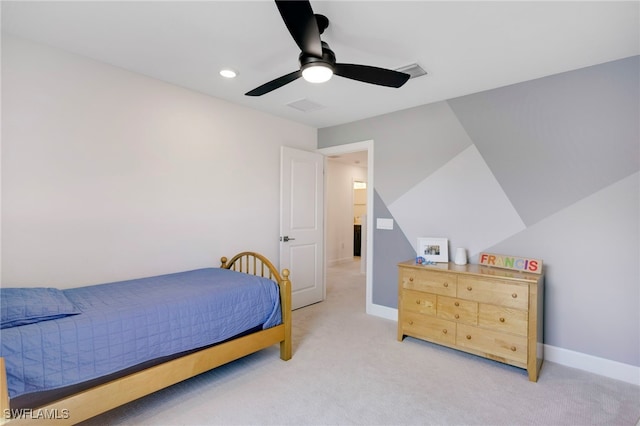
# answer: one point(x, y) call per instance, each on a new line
point(473, 269)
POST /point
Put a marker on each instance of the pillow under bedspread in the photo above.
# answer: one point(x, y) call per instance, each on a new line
point(126, 323)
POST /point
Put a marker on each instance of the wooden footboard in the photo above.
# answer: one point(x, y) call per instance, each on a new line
point(97, 400)
point(256, 264)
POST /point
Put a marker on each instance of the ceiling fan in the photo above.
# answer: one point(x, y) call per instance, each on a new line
point(317, 60)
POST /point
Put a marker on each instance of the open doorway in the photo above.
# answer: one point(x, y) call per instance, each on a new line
point(344, 214)
point(345, 206)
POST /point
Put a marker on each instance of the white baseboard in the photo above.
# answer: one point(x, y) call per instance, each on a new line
point(603, 367)
point(383, 312)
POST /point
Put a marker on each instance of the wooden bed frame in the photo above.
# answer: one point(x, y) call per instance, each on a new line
point(102, 398)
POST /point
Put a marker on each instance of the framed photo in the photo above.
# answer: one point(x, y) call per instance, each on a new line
point(433, 249)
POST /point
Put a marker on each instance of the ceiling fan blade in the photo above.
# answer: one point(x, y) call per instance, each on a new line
point(299, 18)
point(274, 84)
point(373, 75)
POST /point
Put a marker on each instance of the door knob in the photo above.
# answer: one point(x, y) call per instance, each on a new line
point(286, 238)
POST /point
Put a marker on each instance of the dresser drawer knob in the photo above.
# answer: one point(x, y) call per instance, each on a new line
point(410, 279)
point(445, 284)
point(444, 331)
point(514, 295)
point(417, 301)
point(457, 316)
point(469, 288)
point(513, 348)
point(468, 337)
point(410, 322)
point(457, 303)
point(501, 319)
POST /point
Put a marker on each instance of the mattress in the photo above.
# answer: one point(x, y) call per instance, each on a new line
point(128, 323)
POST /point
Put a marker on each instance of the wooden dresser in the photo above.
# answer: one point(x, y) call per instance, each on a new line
point(493, 313)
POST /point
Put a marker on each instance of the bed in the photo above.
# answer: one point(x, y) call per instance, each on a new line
point(95, 348)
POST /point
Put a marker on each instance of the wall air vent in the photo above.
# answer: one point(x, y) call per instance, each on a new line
point(414, 70)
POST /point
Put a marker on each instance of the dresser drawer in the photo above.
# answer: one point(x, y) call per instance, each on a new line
point(454, 309)
point(493, 291)
point(419, 302)
point(493, 343)
point(430, 328)
point(499, 318)
point(429, 281)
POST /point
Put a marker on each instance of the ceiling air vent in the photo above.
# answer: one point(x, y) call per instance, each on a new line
point(305, 105)
point(414, 70)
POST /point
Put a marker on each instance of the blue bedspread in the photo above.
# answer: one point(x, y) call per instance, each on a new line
point(126, 323)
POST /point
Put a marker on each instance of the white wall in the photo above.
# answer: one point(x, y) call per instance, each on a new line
point(108, 174)
point(339, 199)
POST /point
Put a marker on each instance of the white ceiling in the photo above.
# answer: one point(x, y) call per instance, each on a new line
point(465, 47)
point(357, 159)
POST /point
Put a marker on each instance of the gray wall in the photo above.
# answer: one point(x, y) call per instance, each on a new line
point(548, 169)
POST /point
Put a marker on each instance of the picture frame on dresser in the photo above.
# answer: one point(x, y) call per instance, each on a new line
point(433, 249)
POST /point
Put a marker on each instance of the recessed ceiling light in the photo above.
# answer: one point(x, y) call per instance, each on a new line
point(228, 73)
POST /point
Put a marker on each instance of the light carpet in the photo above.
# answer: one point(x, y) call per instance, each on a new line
point(349, 369)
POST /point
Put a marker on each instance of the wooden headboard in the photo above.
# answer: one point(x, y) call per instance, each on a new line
point(255, 264)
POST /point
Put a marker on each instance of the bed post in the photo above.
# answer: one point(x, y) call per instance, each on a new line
point(285, 304)
point(4, 393)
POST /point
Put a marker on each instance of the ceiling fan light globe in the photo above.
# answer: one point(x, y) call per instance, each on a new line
point(317, 73)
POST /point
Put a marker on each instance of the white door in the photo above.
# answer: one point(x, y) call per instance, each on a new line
point(301, 223)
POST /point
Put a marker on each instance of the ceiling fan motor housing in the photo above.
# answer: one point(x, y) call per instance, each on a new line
point(328, 58)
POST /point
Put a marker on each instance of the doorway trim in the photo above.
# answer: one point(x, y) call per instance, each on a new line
point(346, 149)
